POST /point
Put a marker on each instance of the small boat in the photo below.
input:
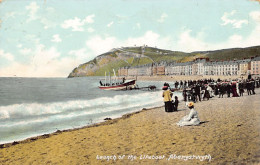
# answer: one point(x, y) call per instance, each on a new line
point(128, 85)
point(115, 84)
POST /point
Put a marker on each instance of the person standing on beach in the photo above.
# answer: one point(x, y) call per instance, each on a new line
point(176, 103)
point(197, 92)
point(241, 89)
point(228, 89)
point(167, 98)
point(252, 86)
point(184, 94)
point(234, 89)
point(248, 87)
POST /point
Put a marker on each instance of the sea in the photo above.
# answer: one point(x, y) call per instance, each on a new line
point(35, 106)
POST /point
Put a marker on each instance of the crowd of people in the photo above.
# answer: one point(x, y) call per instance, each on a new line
point(198, 90)
point(208, 88)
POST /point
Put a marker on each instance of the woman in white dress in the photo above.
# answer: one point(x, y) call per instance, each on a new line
point(192, 118)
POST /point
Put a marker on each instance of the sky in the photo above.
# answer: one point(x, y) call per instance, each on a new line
point(49, 38)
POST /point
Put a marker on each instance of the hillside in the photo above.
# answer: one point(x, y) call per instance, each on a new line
point(132, 56)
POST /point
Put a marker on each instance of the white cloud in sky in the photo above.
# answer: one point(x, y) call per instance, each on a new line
point(189, 43)
point(77, 24)
point(19, 46)
point(47, 23)
point(46, 62)
point(255, 15)
point(89, 19)
point(234, 22)
point(99, 45)
point(25, 51)
point(138, 25)
point(162, 18)
point(80, 54)
point(7, 56)
point(91, 30)
point(9, 15)
point(56, 38)
point(110, 24)
point(32, 8)
point(149, 38)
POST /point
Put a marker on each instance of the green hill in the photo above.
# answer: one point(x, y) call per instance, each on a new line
point(132, 56)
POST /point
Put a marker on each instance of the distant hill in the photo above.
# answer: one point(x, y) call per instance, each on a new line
point(132, 56)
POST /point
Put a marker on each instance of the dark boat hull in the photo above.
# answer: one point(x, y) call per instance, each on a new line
point(124, 86)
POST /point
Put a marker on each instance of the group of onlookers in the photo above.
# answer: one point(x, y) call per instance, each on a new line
point(205, 89)
point(198, 90)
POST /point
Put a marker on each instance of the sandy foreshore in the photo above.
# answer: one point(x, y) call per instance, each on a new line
point(230, 133)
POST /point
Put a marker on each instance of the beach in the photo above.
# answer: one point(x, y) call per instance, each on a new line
point(229, 133)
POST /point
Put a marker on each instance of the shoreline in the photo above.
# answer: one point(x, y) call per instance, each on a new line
point(229, 133)
point(47, 135)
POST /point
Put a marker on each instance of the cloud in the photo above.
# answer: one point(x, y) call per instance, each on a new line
point(7, 56)
point(56, 38)
point(47, 23)
point(57, 68)
point(162, 18)
point(149, 38)
point(9, 15)
point(77, 24)
point(255, 15)
point(91, 30)
point(46, 62)
point(189, 43)
point(25, 51)
point(110, 24)
point(137, 26)
point(89, 19)
point(19, 46)
point(32, 8)
point(235, 23)
point(79, 54)
point(99, 45)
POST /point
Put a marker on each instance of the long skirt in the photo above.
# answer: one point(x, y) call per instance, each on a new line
point(168, 106)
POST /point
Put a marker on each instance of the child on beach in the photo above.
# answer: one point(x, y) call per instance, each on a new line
point(176, 103)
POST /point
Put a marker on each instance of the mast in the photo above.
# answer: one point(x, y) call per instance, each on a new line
point(109, 79)
point(115, 76)
point(105, 78)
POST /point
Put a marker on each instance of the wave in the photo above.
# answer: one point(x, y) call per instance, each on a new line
point(77, 107)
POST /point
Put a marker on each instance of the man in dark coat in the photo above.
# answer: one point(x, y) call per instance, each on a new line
point(197, 92)
point(228, 89)
point(252, 86)
point(248, 87)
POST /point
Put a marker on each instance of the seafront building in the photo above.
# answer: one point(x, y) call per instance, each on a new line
point(200, 66)
point(255, 66)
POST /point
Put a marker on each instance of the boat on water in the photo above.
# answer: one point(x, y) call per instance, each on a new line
point(117, 84)
point(127, 85)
